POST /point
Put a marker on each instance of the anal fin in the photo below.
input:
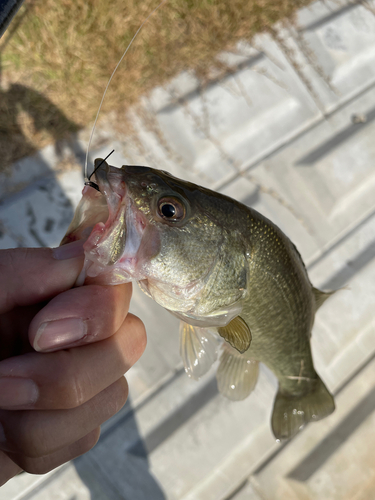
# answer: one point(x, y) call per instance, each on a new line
point(236, 375)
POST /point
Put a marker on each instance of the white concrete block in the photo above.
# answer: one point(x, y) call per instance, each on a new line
point(327, 174)
point(337, 42)
point(332, 459)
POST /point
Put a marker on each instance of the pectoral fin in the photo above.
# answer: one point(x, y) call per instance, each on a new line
point(237, 333)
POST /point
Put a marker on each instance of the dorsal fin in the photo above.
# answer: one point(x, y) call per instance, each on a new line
point(320, 297)
point(237, 333)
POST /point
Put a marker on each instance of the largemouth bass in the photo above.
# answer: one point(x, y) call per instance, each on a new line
point(237, 283)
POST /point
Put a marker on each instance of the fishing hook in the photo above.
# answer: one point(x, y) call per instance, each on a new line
point(91, 183)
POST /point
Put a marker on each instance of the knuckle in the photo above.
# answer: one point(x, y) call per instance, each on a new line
point(26, 437)
point(89, 441)
point(74, 394)
point(44, 464)
point(136, 325)
point(116, 396)
point(72, 386)
point(123, 392)
point(34, 465)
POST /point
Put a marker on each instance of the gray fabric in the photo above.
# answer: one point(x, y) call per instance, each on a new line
point(8, 9)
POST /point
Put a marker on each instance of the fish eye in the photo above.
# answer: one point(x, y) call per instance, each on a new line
point(171, 209)
point(168, 210)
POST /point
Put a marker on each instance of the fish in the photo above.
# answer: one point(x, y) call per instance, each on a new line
point(233, 278)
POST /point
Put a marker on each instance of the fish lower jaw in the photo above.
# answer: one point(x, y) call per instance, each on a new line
point(126, 269)
point(130, 266)
point(112, 249)
point(109, 275)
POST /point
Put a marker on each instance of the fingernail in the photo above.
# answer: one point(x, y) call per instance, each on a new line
point(69, 251)
point(17, 392)
point(60, 333)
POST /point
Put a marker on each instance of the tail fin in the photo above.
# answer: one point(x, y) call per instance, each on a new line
point(292, 413)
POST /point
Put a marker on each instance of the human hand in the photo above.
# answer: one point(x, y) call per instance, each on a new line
point(53, 399)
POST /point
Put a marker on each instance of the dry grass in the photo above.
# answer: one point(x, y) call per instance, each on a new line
point(58, 61)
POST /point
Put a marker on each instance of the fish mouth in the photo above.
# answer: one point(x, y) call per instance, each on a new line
point(119, 244)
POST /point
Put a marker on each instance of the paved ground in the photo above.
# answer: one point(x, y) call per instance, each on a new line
point(289, 132)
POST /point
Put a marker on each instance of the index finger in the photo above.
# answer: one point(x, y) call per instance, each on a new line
point(32, 275)
point(80, 316)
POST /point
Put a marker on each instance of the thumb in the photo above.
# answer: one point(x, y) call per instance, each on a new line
point(31, 275)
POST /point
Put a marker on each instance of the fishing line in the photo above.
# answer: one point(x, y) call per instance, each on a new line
point(87, 179)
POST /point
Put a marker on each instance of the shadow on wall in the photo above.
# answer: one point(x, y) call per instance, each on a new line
point(118, 467)
point(26, 113)
point(42, 214)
